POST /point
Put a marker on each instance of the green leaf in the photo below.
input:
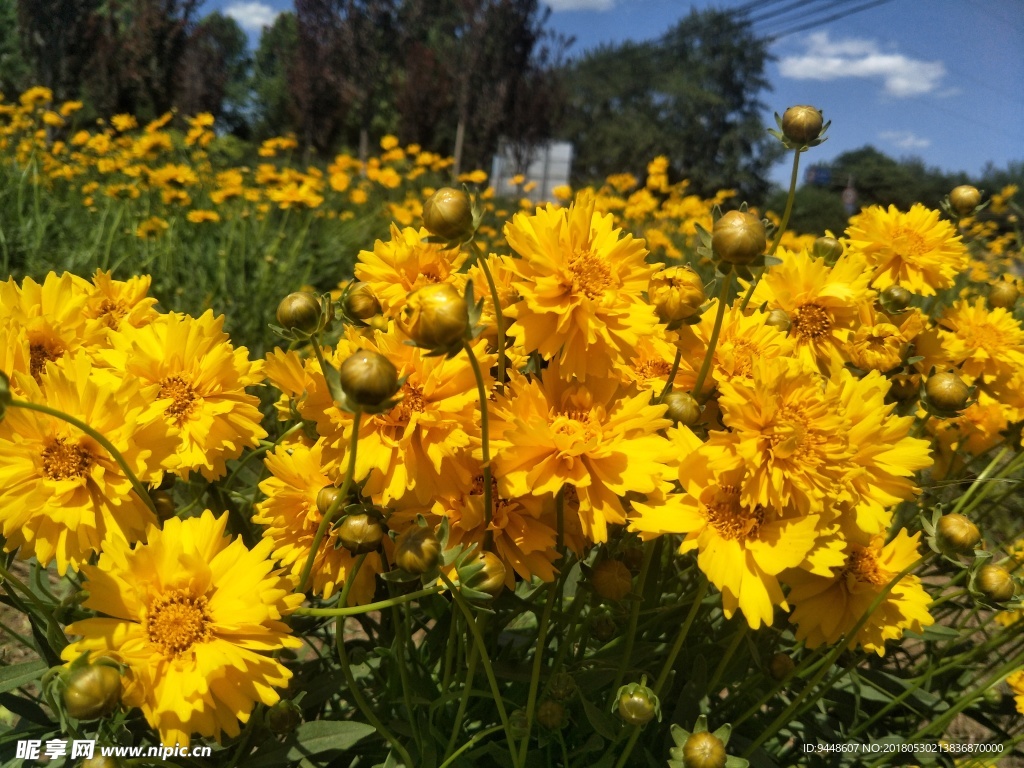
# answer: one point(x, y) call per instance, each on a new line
point(18, 675)
point(602, 722)
point(318, 737)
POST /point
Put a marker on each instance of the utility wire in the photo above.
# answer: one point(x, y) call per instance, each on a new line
point(826, 20)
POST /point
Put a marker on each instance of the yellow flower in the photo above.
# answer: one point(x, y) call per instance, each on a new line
point(826, 608)
point(290, 512)
point(195, 617)
point(877, 347)
point(62, 496)
point(124, 123)
point(987, 344)
point(35, 96)
point(113, 302)
point(1016, 683)
point(822, 302)
point(916, 250)
point(189, 368)
point(151, 228)
point(591, 437)
point(404, 263)
point(200, 216)
point(582, 288)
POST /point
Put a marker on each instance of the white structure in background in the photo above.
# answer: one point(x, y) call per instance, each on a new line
point(549, 167)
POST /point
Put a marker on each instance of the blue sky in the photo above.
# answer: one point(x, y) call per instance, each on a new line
point(934, 79)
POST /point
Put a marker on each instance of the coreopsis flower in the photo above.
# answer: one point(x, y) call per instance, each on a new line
point(113, 302)
point(972, 432)
point(581, 285)
point(823, 302)
point(916, 250)
point(588, 436)
point(194, 616)
point(287, 371)
point(62, 495)
point(741, 548)
point(650, 363)
point(986, 344)
point(188, 366)
point(396, 268)
point(422, 446)
point(876, 347)
point(827, 607)
point(1016, 683)
point(291, 515)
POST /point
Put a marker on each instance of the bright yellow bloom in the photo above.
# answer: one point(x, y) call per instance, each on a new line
point(592, 437)
point(404, 263)
point(124, 123)
point(62, 496)
point(190, 369)
point(916, 250)
point(151, 228)
point(198, 216)
point(195, 617)
point(298, 474)
point(113, 302)
point(826, 608)
point(986, 344)
point(1016, 683)
point(582, 286)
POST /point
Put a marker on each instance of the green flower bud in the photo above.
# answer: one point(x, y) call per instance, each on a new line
point(957, 534)
point(552, 715)
point(283, 718)
point(326, 497)
point(360, 302)
point(491, 578)
point(417, 550)
point(828, 249)
point(637, 704)
point(704, 750)
point(996, 583)
point(964, 199)
point(801, 124)
point(562, 686)
point(164, 503)
point(299, 311)
point(448, 214)
point(92, 691)
point(738, 238)
point(781, 666)
point(682, 408)
point(360, 533)
point(436, 316)
point(947, 391)
point(1003, 294)
point(895, 298)
point(368, 378)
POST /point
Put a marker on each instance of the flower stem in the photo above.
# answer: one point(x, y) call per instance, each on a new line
point(357, 610)
point(538, 658)
point(705, 367)
point(782, 225)
point(650, 547)
point(484, 443)
point(671, 376)
point(325, 522)
point(499, 318)
point(140, 491)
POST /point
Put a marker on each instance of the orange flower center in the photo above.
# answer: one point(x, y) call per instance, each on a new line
point(727, 516)
point(182, 395)
point(176, 621)
point(112, 312)
point(791, 434)
point(590, 274)
point(811, 322)
point(40, 354)
point(908, 242)
point(653, 369)
point(412, 401)
point(62, 461)
point(576, 426)
point(862, 566)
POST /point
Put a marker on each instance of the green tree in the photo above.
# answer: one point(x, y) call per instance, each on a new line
point(273, 106)
point(15, 73)
point(214, 72)
point(691, 95)
point(59, 38)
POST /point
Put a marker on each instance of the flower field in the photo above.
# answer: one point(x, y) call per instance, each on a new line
point(334, 464)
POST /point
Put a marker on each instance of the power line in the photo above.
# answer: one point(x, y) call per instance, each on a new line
point(827, 19)
point(798, 4)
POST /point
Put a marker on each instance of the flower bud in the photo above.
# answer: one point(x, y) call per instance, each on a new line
point(895, 298)
point(781, 666)
point(283, 718)
point(801, 124)
point(996, 583)
point(611, 580)
point(561, 686)
point(164, 503)
point(551, 714)
point(677, 293)
point(299, 311)
point(604, 628)
point(326, 497)
point(368, 378)
point(519, 723)
point(435, 316)
point(778, 318)
point(417, 550)
point(360, 302)
point(637, 704)
point(491, 577)
point(738, 238)
point(947, 391)
point(964, 199)
point(448, 214)
point(827, 249)
point(92, 691)
point(682, 408)
point(957, 533)
point(1003, 294)
point(360, 533)
point(704, 750)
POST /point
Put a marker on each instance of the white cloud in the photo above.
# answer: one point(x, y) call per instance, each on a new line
point(580, 5)
point(905, 139)
point(252, 16)
point(827, 59)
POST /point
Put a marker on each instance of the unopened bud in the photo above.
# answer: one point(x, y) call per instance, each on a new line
point(895, 298)
point(360, 302)
point(996, 583)
point(360, 533)
point(677, 293)
point(611, 580)
point(704, 750)
point(947, 391)
point(551, 714)
point(448, 214)
point(801, 124)
point(682, 408)
point(738, 238)
point(637, 704)
point(92, 691)
point(417, 550)
point(1003, 294)
point(491, 576)
point(326, 497)
point(299, 311)
point(781, 666)
point(435, 316)
point(368, 378)
point(964, 199)
point(828, 249)
point(957, 533)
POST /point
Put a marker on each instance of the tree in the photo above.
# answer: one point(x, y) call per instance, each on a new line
point(214, 72)
point(273, 105)
point(58, 39)
point(691, 95)
point(15, 73)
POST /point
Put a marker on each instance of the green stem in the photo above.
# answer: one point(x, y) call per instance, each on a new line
point(790, 198)
point(671, 375)
point(140, 491)
point(634, 617)
point(705, 367)
point(325, 523)
point(350, 679)
point(481, 646)
point(484, 442)
point(981, 478)
point(356, 610)
point(727, 656)
point(460, 714)
point(499, 318)
point(257, 451)
point(538, 658)
point(475, 738)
